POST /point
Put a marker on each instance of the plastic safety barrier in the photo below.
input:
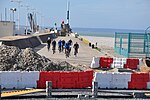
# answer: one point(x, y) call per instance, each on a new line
point(48, 76)
point(139, 81)
point(66, 79)
point(132, 63)
point(19, 80)
point(118, 62)
point(112, 80)
point(95, 62)
point(105, 62)
point(108, 62)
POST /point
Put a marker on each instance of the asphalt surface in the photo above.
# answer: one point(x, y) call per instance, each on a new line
point(84, 57)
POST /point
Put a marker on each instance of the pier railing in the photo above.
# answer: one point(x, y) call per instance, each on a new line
point(132, 44)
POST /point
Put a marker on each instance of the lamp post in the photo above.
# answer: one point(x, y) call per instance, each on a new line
point(13, 11)
point(19, 2)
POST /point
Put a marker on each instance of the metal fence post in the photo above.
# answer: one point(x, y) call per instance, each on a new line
point(0, 92)
point(94, 88)
point(48, 89)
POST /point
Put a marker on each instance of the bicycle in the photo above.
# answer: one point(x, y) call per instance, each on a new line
point(59, 48)
point(53, 50)
point(67, 53)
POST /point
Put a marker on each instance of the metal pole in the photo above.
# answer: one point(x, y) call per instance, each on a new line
point(32, 22)
point(1, 16)
point(13, 16)
point(5, 14)
point(27, 19)
point(19, 15)
point(0, 92)
point(10, 16)
point(68, 12)
point(48, 89)
point(147, 53)
point(18, 1)
point(94, 88)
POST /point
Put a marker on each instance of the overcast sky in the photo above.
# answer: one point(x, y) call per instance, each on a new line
point(118, 14)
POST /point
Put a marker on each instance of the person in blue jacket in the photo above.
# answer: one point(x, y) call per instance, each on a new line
point(67, 47)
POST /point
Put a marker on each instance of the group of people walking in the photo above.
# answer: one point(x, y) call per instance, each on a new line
point(63, 45)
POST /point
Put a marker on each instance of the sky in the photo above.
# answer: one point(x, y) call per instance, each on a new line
point(115, 14)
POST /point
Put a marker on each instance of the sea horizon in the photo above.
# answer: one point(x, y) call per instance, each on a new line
point(98, 32)
point(103, 32)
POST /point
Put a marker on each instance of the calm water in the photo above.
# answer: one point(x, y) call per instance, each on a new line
point(102, 32)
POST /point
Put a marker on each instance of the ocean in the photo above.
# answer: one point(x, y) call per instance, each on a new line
point(99, 32)
point(103, 32)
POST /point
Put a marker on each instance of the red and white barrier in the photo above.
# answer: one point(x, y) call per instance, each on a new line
point(95, 62)
point(110, 80)
point(66, 79)
point(118, 80)
point(118, 63)
point(108, 62)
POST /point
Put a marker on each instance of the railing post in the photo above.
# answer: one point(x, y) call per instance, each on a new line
point(48, 89)
point(0, 92)
point(94, 89)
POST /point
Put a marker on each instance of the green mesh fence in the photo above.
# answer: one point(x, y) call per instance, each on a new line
point(132, 44)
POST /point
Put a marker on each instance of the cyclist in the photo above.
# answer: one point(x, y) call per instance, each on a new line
point(48, 43)
point(54, 46)
point(59, 45)
point(67, 48)
point(63, 43)
point(70, 43)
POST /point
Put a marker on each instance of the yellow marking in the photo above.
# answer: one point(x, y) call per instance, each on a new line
point(20, 92)
point(85, 41)
point(147, 94)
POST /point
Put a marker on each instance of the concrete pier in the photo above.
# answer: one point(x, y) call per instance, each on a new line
point(84, 56)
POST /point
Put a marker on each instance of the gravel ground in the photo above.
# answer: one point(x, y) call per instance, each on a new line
point(13, 58)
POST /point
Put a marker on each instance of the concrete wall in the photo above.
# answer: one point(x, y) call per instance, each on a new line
point(45, 37)
point(23, 43)
point(31, 41)
point(6, 28)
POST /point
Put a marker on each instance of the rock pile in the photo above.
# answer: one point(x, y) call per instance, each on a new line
point(13, 58)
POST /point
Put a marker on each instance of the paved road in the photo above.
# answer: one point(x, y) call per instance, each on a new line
point(84, 56)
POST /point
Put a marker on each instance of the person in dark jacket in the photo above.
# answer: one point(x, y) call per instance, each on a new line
point(76, 47)
point(49, 43)
point(59, 45)
point(62, 46)
point(54, 46)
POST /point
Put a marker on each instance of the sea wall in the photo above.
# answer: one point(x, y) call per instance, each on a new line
point(23, 43)
point(26, 41)
point(45, 36)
